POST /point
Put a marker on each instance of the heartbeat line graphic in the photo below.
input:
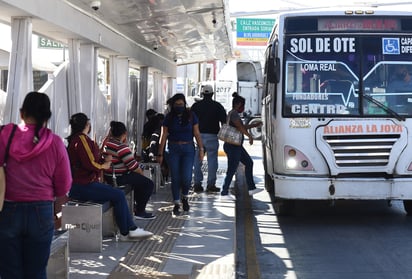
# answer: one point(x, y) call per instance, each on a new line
point(320, 66)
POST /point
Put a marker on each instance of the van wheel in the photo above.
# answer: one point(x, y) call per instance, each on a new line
point(407, 204)
point(257, 131)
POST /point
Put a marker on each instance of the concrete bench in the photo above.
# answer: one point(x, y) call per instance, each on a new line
point(58, 265)
point(88, 222)
point(153, 171)
point(84, 222)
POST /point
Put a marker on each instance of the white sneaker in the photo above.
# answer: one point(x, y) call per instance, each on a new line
point(126, 238)
point(139, 233)
point(227, 198)
point(255, 191)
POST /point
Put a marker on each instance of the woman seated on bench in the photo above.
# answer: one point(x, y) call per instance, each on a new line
point(86, 167)
point(126, 169)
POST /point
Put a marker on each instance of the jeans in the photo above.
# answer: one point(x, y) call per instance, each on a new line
point(100, 193)
point(181, 157)
point(26, 233)
point(211, 146)
point(142, 187)
point(236, 154)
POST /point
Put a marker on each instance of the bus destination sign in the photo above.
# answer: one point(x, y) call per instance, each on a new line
point(358, 24)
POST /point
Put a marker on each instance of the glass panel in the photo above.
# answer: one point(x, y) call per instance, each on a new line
point(348, 76)
point(387, 78)
point(319, 82)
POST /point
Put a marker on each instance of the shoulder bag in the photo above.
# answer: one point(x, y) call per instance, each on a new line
point(229, 133)
point(6, 156)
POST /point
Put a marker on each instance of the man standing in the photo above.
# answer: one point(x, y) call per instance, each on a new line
point(210, 113)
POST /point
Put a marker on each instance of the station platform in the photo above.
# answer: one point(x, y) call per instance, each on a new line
point(200, 244)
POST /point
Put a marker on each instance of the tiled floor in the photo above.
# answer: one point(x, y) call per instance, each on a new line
point(197, 245)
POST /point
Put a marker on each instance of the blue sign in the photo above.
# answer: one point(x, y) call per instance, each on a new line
point(391, 46)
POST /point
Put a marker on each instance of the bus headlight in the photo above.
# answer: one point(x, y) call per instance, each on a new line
point(296, 160)
point(291, 163)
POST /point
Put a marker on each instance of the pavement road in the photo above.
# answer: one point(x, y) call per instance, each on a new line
point(349, 239)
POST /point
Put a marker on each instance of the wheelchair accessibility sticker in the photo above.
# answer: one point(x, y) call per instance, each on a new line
point(390, 46)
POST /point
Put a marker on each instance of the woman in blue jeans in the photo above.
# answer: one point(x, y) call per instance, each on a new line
point(236, 153)
point(179, 127)
point(38, 171)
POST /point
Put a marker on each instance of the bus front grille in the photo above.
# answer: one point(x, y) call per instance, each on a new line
point(361, 150)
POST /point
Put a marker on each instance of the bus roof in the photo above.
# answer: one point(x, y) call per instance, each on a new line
point(354, 10)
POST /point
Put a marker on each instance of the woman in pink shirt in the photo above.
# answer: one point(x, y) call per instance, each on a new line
point(37, 172)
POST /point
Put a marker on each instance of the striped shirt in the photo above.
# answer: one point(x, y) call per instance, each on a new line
point(123, 160)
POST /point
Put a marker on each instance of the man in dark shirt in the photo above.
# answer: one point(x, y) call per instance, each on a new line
point(210, 114)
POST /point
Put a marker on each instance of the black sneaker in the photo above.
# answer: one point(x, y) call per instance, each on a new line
point(197, 188)
point(185, 203)
point(176, 210)
point(212, 189)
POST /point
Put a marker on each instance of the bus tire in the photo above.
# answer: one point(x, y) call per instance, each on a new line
point(269, 184)
point(407, 204)
point(283, 207)
point(257, 131)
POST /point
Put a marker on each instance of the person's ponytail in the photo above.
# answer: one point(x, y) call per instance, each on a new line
point(37, 106)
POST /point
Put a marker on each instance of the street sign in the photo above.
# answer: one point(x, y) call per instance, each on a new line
point(253, 31)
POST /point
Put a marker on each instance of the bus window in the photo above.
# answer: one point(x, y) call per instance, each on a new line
point(387, 78)
point(327, 83)
point(316, 88)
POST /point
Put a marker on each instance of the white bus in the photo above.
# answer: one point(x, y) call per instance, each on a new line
point(337, 106)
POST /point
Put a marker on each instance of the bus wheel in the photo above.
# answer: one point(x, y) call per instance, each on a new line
point(407, 204)
point(283, 207)
point(269, 184)
point(257, 131)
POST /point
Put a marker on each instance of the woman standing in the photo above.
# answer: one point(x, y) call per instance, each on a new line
point(236, 153)
point(179, 127)
point(86, 166)
point(38, 171)
point(127, 170)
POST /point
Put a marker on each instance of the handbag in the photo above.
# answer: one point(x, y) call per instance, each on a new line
point(230, 134)
point(3, 174)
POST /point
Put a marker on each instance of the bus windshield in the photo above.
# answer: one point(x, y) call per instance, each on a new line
point(347, 75)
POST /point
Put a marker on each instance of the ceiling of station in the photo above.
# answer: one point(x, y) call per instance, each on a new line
point(186, 30)
point(168, 31)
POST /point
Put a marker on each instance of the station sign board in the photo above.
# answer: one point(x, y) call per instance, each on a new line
point(47, 43)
